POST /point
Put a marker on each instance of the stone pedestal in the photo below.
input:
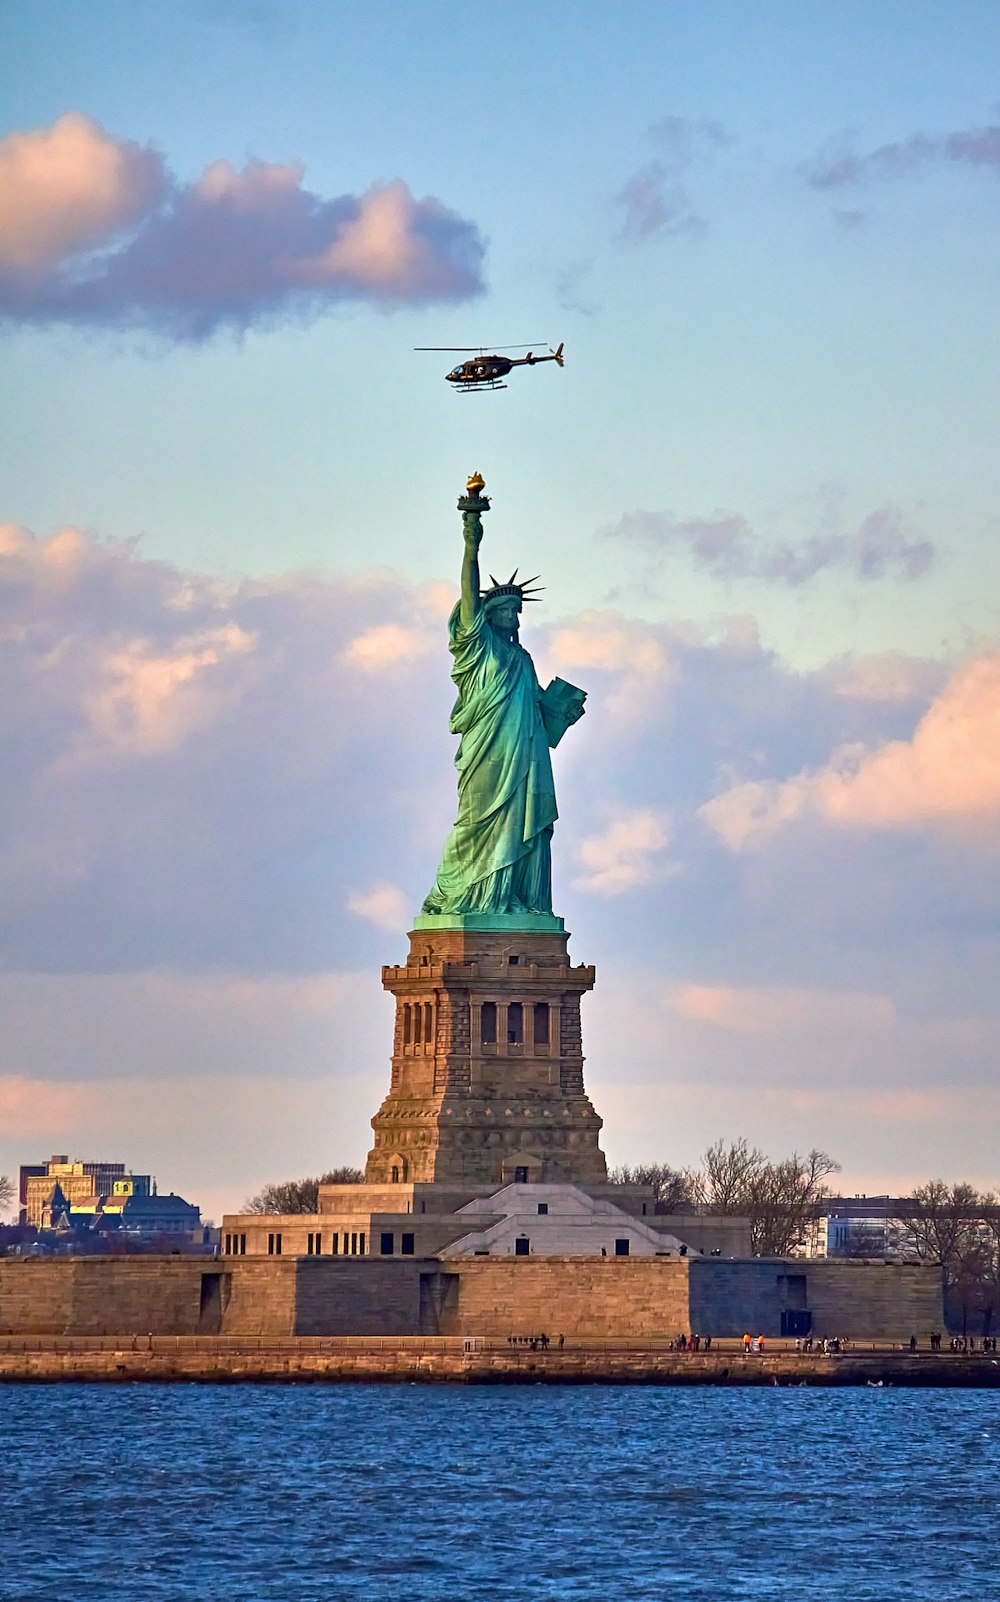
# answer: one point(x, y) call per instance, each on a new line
point(487, 1062)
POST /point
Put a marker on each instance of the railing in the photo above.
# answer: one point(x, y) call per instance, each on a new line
point(442, 1344)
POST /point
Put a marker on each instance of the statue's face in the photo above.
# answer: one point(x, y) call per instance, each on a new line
point(503, 616)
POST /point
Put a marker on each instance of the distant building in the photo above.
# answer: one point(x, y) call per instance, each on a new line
point(82, 1185)
point(857, 1226)
point(148, 1214)
point(71, 1195)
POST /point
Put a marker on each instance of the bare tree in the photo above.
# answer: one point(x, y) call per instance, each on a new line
point(958, 1227)
point(984, 1262)
point(779, 1198)
point(672, 1187)
point(299, 1195)
point(728, 1175)
point(935, 1218)
point(6, 1193)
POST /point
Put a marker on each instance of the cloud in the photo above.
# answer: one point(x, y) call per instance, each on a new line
point(655, 201)
point(68, 188)
point(634, 659)
point(278, 1125)
point(973, 147)
point(384, 905)
point(886, 676)
point(383, 648)
point(726, 546)
point(205, 773)
point(220, 803)
point(897, 1085)
point(626, 854)
point(946, 776)
point(889, 1141)
point(165, 1023)
point(32, 1109)
point(185, 758)
point(152, 701)
point(95, 230)
point(774, 1010)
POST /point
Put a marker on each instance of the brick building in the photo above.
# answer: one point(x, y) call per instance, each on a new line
point(65, 1194)
point(82, 1184)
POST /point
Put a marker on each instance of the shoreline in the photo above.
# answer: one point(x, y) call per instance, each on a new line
point(318, 1360)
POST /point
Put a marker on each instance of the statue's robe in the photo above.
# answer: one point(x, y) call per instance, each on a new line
point(497, 857)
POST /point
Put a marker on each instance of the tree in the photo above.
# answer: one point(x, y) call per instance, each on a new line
point(6, 1193)
point(672, 1187)
point(958, 1227)
point(779, 1198)
point(935, 1220)
point(299, 1195)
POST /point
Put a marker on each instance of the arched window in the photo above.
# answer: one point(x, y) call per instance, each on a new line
point(407, 1026)
point(488, 1023)
point(515, 1023)
point(394, 1174)
point(541, 1023)
point(418, 1013)
point(428, 1023)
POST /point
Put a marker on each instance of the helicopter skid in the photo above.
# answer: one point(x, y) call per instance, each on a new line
point(469, 389)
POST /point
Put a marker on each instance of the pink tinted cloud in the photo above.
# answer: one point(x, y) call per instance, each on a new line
point(40, 1110)
point(95, 230)
point(946, 776)
point(149, 713)
point(67, 189)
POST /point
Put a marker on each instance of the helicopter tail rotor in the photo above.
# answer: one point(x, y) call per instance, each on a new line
point(558, 354)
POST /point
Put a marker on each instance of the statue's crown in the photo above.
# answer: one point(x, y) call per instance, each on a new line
point(509, 591)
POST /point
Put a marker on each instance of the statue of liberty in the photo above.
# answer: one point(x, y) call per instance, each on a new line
point(497, 858)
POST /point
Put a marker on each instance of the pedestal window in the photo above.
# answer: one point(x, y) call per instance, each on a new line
point(515, 1023)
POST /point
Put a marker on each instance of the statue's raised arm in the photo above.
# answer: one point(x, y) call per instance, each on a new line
point(497, 859)
point(472, 505)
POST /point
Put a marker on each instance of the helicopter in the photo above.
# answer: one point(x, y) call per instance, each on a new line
point(487, 372)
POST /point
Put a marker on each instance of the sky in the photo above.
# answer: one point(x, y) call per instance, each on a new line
point(763, 495)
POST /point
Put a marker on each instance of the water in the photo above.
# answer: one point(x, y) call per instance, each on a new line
point(355, 1493)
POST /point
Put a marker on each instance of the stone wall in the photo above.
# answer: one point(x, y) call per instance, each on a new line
point(218, 1360)
point(876, 1301)
point(357, 1296)
point(628, 1297)
point(602, 1296)
point(862, 1300)
point(36, 1296)
point(147, 1296)
point(730, 1297)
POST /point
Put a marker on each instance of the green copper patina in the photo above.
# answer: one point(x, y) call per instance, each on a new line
point(496, 868)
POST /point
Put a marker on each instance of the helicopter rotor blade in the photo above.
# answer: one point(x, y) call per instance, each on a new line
point(481, 348)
